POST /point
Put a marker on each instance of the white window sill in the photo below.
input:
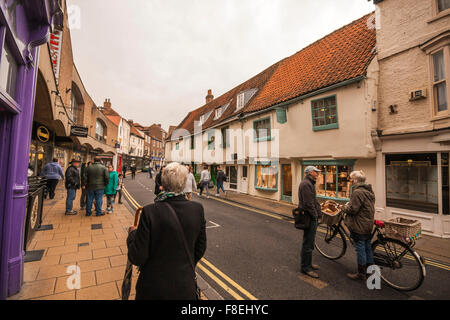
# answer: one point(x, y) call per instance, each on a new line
point(439, 16)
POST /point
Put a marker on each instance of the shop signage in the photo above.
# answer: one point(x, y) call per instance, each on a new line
point(43, 134)
point(77, 131)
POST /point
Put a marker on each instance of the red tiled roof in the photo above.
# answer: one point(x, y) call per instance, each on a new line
point(114, 119)
point(134, 131)
point(342, 55)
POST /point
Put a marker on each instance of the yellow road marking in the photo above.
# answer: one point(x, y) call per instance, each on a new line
point(319, 284)
point(219, 282)
point(224, 276)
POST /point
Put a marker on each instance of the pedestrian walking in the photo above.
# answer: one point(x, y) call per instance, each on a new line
point(167, 259)
point(190, 184)
point(133, 171)
point(205, 178)
point(96, 178)
point(83, 198)
point(119, 188)
point(111, 189)
point(150, 172)
point(221, 177)
point(124, 170)
point(53, 173)
point(309, 204)
point(158, 182)
point(359, 219)
point(73, 183)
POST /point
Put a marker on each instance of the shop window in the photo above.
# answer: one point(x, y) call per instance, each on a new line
point(445, 183)
point(334, 182)
point(8, 71)
point(439, 82)
point(266, 177)
point(324, 113)
point(443, 5)
point(74, 108)
point(412, 182)
point(261, 130)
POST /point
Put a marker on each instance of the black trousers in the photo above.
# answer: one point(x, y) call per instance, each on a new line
point(309, 237)
point(119, 192)
point(51, 186)
point(83, 198)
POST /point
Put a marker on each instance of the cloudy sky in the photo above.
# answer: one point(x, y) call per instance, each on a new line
point(156, 59)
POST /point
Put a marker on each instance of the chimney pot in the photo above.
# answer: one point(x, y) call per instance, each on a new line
point(210, 96)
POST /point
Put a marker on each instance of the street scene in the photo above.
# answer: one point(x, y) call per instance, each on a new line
point(218, 152)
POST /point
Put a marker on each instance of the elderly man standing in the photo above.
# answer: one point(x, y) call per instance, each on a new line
point(360, 212)
point(309, 204)
point(96, 178)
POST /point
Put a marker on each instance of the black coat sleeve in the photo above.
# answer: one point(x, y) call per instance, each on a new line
point(138, 241)
point(200, 243)
point(306, 193)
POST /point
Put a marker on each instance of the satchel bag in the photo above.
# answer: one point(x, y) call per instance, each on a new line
point(302, 219)
point(186, 248)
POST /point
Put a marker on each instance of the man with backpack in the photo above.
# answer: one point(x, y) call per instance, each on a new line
point(73, 183)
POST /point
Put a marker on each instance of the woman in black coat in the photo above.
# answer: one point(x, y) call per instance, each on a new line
point(157, 247)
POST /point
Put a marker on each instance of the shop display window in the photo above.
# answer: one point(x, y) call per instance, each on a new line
point(334, 181)
point(266, 177)
point(412, 182)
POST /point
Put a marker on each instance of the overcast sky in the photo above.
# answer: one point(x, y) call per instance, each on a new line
point(156, 59)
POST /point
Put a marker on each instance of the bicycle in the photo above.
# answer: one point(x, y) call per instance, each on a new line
point(401, 267)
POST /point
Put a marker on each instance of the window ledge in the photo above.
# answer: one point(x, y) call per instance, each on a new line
point(263, 139)
point(439, 16)
point(267, 189)
point(440, 117)
point(326, 127)
point(333, 198)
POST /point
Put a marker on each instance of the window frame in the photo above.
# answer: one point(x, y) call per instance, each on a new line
point(211, 142)
point(268, 137)
point(326, 126)
point(445, 48)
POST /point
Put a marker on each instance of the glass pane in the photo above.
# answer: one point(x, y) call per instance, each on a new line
point(8, 72)
point(266, 176)
point(443, 5)
point(321, 181)
point(445, 184)
point(440, 91)
point(412, 182)
point(331, 181)
point(438, 63)
point(287, 180)
point(344, 185)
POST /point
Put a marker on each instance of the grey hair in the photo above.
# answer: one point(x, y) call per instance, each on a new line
point(174, 177)
point(358, 176)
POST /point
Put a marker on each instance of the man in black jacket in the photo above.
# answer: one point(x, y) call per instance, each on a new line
point(308, 203)
point(72, 184)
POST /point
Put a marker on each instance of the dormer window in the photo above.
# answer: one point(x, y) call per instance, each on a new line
point(205, 117)
point(244, 97)
point(240, 100)
point(218, 113)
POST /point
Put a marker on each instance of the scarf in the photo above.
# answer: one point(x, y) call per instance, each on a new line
point(162, 196)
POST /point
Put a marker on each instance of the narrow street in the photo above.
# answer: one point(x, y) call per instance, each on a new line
point(255, 255)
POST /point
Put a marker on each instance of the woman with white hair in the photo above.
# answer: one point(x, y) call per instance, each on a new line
point(169, 241)
point(360, 212)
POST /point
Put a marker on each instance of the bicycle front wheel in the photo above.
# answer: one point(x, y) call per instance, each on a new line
point(330, 241)
point(400, 266)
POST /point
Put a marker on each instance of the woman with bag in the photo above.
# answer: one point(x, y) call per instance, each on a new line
point(169, 241)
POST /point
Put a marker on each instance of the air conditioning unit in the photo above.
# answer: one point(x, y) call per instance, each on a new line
point(418, 94)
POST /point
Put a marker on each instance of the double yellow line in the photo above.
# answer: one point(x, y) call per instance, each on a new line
point(225, 282)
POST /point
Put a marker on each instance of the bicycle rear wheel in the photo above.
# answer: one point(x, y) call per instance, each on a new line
point(330, 241)
point(400, 266)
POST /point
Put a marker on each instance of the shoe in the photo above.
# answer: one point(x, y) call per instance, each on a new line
point(108, 210)
point(82, 208)
point(101, 214)
point(315, 267)
point(71, 213)
point(312, 274)
point(360, 275)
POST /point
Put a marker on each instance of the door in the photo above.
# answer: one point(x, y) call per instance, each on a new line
point(286, 183)
point(244, 179)
point(232, 177)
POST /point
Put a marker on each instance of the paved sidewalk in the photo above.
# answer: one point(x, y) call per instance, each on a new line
point(428, 246)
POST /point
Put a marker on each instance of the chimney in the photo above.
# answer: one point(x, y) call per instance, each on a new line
point(107, 104)
point(209, 97)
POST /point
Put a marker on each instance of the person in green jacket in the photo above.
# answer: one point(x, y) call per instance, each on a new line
point(111, 189)
point(95, 178)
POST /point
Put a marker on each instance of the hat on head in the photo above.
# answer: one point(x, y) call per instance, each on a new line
point(75, 160)
point(308, 169)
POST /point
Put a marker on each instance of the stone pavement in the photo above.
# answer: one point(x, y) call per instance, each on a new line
point(428, 246)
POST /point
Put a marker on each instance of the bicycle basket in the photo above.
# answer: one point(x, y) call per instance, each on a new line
point(331, 213)
point(403, 229)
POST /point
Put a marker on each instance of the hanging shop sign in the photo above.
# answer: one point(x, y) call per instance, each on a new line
point(78, 131)
point(42, 134)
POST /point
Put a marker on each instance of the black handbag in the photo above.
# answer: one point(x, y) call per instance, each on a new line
point(302, 219)
point(186, 248)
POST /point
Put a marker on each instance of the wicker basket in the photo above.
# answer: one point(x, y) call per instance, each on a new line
point(330, 219)
point(403, 229)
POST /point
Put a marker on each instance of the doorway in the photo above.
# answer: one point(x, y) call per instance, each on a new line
point(232, 177)
point(286, 182)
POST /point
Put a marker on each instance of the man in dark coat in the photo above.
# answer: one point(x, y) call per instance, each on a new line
point(96, 178)
point(157, 246)
point(72, 184)
point(220, 178)
point(158, 183)
point(309, 204)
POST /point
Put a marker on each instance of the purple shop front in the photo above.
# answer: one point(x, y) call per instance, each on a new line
point(24, 26)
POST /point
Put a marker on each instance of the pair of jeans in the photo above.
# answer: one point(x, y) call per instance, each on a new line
point(110, 201)
point(71, 195)
point(309, 237)
point(205, 185)
point(96, 195)
point(51, 186)
point(220, 186)
point(364, 253)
